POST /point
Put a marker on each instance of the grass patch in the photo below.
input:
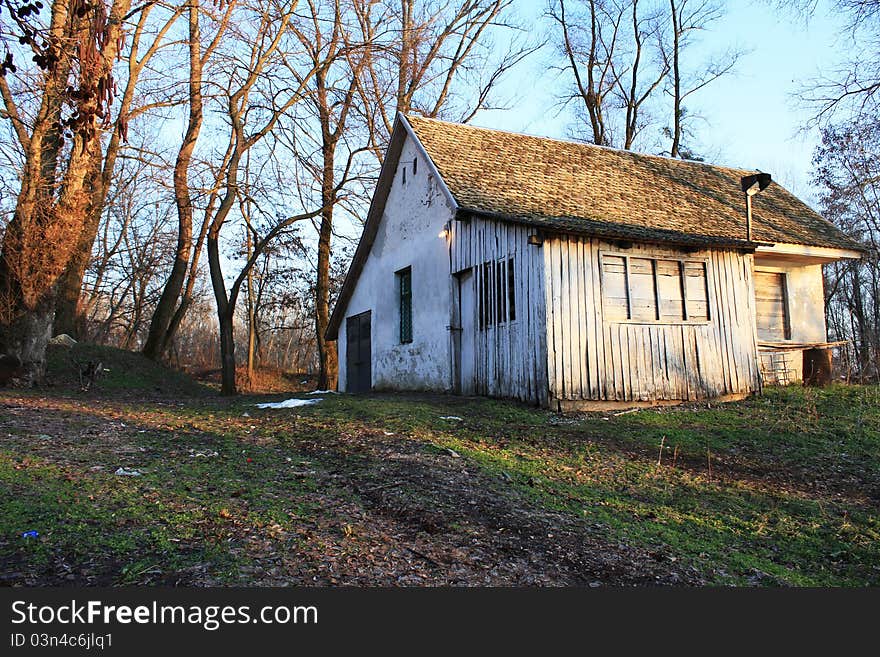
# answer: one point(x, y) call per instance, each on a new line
point(123, 371)
point(233, 494)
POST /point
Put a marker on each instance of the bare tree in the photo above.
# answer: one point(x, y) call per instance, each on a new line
point(250, 96)
point(847, 167)
point(612, 50)
point(631, 90)
point(337, 62)
point(687, 18)
point(177, 292)
point(436, 59)
point(588, 45)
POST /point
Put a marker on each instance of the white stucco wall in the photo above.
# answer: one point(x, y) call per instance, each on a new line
point(408, 236)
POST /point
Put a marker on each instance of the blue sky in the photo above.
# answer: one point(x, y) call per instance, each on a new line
point(750, 119)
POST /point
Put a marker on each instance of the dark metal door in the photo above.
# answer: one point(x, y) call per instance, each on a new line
point(358, 358)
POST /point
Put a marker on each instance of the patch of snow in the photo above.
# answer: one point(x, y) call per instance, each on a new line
point(454, 418)
point(128, 472)
point(321, 392)
point(205, 453)
point(289, 403)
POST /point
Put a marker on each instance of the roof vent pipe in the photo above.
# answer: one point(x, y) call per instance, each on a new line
point(751, 185)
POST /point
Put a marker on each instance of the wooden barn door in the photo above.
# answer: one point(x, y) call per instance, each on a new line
point(466, 334)
point(358, 356)
point(772, 307)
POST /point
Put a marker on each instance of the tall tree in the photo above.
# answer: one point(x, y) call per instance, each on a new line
point(612, 50)
point(68, 313)
point(254, 97)
point(688, 18)
point(588, 44)
point(177, 292)
point(434, 58)
point(337, 62)
point(74, 50)
point(847, 169)
point(632, 91)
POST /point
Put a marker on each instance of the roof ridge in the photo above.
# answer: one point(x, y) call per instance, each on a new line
point(574, 142)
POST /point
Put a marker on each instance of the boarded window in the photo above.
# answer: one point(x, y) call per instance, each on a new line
point(615, 288)
point(669, 290)
point(654, 289)
point(643, 295)
point(496, 293)
point(404, 286)
point(771, 307)
point(696, 291)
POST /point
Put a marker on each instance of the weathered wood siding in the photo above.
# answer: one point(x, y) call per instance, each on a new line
point(592, 356)
point(511, 356)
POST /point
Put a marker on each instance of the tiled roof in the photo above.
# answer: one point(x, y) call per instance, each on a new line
point(579, 187)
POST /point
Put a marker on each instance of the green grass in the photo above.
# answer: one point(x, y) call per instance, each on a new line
point(123, 371)
point(182, 511)
point(791, 498)
point(785, 504)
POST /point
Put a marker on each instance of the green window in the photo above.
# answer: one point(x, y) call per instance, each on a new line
point(404, 286)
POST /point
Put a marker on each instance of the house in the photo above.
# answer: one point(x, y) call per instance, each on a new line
point(574, 276)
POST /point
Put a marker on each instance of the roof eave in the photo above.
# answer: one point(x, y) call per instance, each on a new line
point(612, 231)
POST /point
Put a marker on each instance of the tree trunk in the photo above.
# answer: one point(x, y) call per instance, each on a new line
point(165, 319)
point(68, 312)
point(69, 317)
point(225, 304)
point(25, 333)
point(227, 355)
point(327, 357)
point(252, 316)
point(676, 80)
point(53, 202)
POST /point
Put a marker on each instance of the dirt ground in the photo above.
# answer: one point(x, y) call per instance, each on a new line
point(385, 510)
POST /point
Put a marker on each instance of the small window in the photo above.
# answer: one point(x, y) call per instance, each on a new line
point(415, 166)
point(404, 175)
point(496, 293)
point(404, 286)
point(654, 289)
point(511, 291)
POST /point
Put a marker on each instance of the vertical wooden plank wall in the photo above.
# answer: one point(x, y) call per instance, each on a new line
point(590, 358)
point(510, 357)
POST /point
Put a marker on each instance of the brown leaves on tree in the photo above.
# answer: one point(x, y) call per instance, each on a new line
point(37, 250)
point(92, 98)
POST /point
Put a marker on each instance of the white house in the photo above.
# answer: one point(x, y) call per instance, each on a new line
point(569, 275)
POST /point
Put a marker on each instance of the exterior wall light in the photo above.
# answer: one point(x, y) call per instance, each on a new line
point(751, 185)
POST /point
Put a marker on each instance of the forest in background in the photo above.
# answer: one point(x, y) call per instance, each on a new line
point(188, 179)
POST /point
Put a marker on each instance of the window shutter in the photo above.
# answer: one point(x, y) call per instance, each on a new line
point(404, 277)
